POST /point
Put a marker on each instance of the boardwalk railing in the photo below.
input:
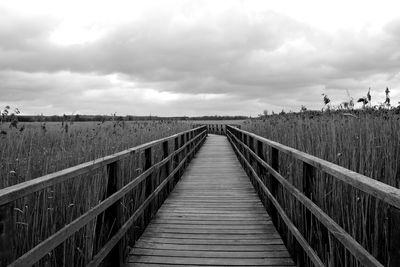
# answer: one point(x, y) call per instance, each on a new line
point(155, 178)
point(251, 151)
point(219, 128)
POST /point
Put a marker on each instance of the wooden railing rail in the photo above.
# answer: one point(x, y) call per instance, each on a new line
point(191, 141)
point(243, 144)
point(219, 128)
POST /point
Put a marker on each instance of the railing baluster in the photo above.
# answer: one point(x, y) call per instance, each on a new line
point(112, 216)
point(182, 154)
point(274, 183)
point(251, 160)
point(165, 172)
point(187, 138)
point(308, 187)
point(260, 168)
point(175, 162)
point(149, 182)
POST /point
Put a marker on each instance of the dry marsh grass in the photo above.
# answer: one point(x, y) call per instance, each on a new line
point(41, 149)
point(368, 143)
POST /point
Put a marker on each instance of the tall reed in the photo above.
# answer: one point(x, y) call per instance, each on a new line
point(45, 148)
point(367, 143)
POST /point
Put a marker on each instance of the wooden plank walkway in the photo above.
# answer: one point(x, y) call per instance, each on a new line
point(212, 218)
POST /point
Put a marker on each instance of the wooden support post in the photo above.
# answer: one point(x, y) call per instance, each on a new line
point(112, 218)
point(244, 151)
point(165, 148)
point(176, 161)
point(166, 172)
point(245, 144)
point(6, 233)
point(274, 183)
point(149, 182)
point(182, 153)
point(250, 158)
point(394, 236)
point(308, 186)
point(188, 146)
point(261, 171)
point(148, 157)
point(241, 138)
point(251, 146)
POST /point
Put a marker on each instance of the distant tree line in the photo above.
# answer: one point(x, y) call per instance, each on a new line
point(103, 118)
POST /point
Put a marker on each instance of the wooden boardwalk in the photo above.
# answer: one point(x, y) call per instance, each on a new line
point(212, 218)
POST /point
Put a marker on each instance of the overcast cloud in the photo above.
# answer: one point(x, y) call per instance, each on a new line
point(195, 57)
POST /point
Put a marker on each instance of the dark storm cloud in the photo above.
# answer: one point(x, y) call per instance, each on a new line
point(271, 60)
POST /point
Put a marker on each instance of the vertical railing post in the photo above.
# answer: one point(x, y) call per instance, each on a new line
point(394, 236)
point(149, 182)
point(244, 151)
point(112, 216)
point(188, 146)
point(274, 183)
point(241, 138)
point(309, 227)
point(251, 146)
point(195, 142)
point(176, 160)
point(6, 233)
point(260, 168)
point(183, 153)
point(166, 172)
point(251, 161)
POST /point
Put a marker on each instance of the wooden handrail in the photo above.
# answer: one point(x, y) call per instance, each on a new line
point(380, 190)
point(219, 128)
point(190, 146)
point(17, 191)
point(385, 192)
point(310, 252)
point(350, 243)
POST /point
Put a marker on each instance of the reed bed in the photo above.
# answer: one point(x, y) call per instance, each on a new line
point(365, 142)
point(45, 148)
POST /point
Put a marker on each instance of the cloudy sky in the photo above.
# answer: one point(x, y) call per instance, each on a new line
point(195, 57)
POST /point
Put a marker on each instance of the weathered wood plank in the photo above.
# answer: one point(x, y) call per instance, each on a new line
point(210, 254)
point(204, 241)
point(211, 236)
point(208, 247)
point(211, 261)
point(213, 217)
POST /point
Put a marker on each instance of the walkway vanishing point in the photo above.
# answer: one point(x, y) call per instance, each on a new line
point(201, 199)
point(212, 217)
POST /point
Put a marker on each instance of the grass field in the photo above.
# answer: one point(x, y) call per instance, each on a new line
point(365, 142)
point(40, 149)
